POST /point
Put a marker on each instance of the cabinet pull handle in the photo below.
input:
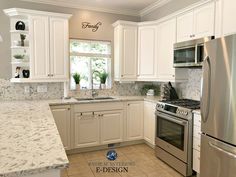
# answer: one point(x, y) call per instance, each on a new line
point(48, 75)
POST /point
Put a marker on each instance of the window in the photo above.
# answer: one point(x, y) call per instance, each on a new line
point(89, 59)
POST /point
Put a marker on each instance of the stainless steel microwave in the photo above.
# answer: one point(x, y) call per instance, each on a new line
point(190, 53)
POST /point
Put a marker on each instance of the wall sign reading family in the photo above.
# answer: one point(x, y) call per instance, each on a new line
point(88, 25)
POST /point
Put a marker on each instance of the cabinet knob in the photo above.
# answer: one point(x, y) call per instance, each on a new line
point(122, 75)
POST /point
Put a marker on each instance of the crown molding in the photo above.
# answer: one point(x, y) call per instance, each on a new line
point(79, 6)
point(153, 7)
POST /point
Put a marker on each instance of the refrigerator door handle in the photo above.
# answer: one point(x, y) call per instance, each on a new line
point(204, 114)
point(222, 150)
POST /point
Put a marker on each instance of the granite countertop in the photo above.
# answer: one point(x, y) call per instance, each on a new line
point(30, 142)
point(198, 111)
point(153, 99)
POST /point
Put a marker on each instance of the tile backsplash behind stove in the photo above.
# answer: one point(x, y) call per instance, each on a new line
point(192, 88)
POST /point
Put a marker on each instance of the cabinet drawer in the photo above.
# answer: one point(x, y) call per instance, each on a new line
point(92, 107)
point(196, 143)
point(197, 120)
point(196, 161)
point(196, 132)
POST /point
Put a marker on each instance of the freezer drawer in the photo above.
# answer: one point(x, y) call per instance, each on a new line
point(217, 158)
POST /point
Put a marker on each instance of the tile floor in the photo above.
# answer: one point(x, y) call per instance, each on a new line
point(141, 159)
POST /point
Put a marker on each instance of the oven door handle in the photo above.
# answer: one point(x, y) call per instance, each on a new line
point(180, 122)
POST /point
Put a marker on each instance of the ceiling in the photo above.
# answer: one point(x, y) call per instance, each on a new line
point(126, 7)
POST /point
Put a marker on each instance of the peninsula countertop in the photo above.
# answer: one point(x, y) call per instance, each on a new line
point(30, 142)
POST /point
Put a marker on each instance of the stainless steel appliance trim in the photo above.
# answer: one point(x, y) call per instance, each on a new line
point(222, 150)
point(185, 47)
point(183, 168)
point(182, 155)
point(182, 65)
point(204, 114)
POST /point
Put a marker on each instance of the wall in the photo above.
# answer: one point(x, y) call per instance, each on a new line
point(105, 32)
point(167, 9)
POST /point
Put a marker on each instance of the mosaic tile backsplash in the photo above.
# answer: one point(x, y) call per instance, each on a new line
point(11, 91)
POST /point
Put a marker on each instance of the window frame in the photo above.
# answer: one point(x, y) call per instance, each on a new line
point(92, 55)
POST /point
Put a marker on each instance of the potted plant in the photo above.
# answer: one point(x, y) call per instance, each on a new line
point(19, 57)
point(77, 78)
point(103, 77)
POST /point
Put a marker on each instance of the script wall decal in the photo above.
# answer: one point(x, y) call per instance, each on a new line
point(88, 25)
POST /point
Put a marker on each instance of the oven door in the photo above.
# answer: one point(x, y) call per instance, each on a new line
point(172, 135)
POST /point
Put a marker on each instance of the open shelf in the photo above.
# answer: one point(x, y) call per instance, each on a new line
point(19, 47)
point(20, 31)
point(20, 63)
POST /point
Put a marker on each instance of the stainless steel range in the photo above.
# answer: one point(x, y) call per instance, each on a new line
point(174, 133)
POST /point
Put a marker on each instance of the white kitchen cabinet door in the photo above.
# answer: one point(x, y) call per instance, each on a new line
point(129, 54)
point(111, 124)
point(147, 53)
point(149, 120)
point(62, 119)
point(204, 21)
point(185, 25)
point(228, 12)
point(134, 120)
point(166, 33)
point(39, 47)
point(59, 48)
point(86, 130)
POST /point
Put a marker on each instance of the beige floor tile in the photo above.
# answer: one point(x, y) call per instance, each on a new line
point(76, 169)
point(145, 163)
point(64, 173)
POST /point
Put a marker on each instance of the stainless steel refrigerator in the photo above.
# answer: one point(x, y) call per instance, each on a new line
point(218, 109)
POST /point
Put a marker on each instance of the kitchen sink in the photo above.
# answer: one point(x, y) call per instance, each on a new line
point(104, 98)
point(96, 98)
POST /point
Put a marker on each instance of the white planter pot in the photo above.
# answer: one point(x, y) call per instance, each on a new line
point(103, 86)
point(77, 87)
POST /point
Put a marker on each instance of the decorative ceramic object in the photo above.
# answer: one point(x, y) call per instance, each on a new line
point(26, 73)
point(77, 87)
point(103, 86)
point(20, 25)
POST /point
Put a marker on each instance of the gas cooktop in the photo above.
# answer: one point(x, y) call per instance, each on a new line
point(185, 103)
point(180, 107)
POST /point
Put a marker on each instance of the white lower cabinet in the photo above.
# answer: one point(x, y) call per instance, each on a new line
point(196, 142)
point(111, 126)
point(134, 120)
point(97, 124)
point(86, 128)
point(62, 119)
point(149, 120)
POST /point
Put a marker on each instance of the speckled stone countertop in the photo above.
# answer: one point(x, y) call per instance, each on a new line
point(30, 142)
point(198, 111)
point(153, 99)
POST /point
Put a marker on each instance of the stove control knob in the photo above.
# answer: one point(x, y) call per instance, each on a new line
point(186, 113)
point(162, 106)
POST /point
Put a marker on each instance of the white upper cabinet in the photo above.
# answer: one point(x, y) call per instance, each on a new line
point(185, 27)
point(147, 43)
point(39, 42)
point(204, 20)
point(197, 23)
point(49, 42)
point(225, 13)
point(166, 34)
point(125, 51)
point(59, 47)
